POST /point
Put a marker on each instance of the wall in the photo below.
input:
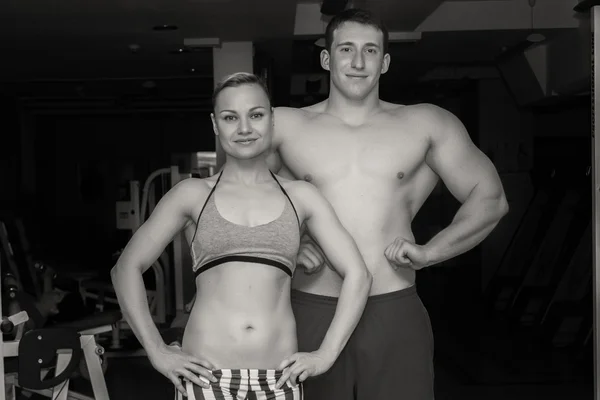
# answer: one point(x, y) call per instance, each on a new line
point(505, 135)
point(9, 152)
point(83, 164)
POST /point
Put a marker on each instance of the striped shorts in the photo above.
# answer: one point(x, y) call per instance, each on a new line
point(245, 384)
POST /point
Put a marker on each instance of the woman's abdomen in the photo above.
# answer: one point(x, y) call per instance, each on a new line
point(244, 321)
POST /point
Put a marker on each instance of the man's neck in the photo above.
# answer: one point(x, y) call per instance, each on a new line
point(351, 111)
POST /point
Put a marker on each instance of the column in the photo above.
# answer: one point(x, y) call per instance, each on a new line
point(229, 58)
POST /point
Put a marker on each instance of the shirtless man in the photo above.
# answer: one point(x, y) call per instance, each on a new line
point(377, 163)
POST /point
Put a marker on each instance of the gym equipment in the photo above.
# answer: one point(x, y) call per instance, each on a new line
point(525, 244)
point(42, 348)
point(58, 348)
point(542, 277)
point(168, 270)
point(567, 318)
point(201, 164)
point(594, 7)
point(130, 215)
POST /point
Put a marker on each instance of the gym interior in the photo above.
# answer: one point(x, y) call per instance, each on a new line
point(104, 107)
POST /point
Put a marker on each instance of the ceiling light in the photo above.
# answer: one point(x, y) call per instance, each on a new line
point(180, 50)
point(535, 37)
point(165, 28)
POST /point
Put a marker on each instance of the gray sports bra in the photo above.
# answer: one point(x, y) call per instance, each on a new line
point(217, 240)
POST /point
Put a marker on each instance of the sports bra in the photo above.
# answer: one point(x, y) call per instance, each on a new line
point(217, 240)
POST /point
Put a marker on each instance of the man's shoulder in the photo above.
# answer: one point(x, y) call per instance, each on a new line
point(429, 118)
point(298, 188)
point(290, 121)
point(439, 124)
point(425, 111)
point(292, 113)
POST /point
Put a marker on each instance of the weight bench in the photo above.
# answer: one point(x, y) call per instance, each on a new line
point(61, 347)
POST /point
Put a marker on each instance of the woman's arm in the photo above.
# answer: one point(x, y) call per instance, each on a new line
point(341, 250)
point(343, 254)
point(168, 218)
point(171, 215)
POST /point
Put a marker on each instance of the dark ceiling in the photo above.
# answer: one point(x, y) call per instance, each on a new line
point(82, 50)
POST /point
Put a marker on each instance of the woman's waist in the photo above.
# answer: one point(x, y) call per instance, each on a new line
point(240, 325)
point(247, 344)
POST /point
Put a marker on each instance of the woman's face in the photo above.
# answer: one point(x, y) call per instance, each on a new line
point(243, 121)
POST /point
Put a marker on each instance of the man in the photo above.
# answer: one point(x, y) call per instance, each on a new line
point(377, 163)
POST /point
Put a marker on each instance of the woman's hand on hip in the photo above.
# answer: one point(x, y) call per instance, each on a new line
point(174, 363)
point(300, 366)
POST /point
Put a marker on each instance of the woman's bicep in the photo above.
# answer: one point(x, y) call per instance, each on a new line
point(169, 217)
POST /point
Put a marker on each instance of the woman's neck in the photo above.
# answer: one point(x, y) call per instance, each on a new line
point(252, 171)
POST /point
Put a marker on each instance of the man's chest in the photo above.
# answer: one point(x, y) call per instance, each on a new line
point(329, 152)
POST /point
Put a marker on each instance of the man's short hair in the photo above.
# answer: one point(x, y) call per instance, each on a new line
point(359, 16)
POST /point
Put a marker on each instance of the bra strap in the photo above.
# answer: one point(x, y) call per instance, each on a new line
point(205, 203)
point(286, 195)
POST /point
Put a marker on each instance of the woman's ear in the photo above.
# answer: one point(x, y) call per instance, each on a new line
point(214, 124)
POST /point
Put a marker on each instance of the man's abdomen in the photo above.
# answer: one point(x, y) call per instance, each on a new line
point(374, 221)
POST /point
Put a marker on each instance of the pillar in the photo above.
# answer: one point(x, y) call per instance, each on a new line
point(231, 57)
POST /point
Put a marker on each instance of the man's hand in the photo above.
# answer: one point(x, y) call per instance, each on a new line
point(310, 255)
point(299, 366)
point(404, 253)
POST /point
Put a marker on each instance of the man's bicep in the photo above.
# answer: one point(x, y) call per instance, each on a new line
point(459, 163)
point(277, 166)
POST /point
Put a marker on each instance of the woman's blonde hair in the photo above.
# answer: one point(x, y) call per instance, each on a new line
point(238, 79)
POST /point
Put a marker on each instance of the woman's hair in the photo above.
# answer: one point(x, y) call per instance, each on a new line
point(238, 79)
point(358, 16)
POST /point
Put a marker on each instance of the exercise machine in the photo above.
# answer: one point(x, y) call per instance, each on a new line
point(543, 275)
point(172, 261)
point(171, 296)
point(593, 7)
point(32, 355)
point(567, 317)
point(545, 209)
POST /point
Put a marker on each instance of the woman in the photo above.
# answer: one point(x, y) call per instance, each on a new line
point(243, 227)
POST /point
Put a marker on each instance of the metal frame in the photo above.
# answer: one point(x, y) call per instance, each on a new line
point(595, 25)
point(2, 387)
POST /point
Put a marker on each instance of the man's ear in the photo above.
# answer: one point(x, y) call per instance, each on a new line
point(325, 59)
point(385, 65)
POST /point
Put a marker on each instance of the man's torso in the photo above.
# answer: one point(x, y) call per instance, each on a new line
point(375, 175)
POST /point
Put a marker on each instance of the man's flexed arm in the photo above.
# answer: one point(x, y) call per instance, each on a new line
point(471, 178)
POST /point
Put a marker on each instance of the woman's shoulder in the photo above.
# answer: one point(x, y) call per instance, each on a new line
point(194, 189)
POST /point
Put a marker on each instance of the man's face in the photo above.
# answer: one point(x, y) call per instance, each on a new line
point(356, 59)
